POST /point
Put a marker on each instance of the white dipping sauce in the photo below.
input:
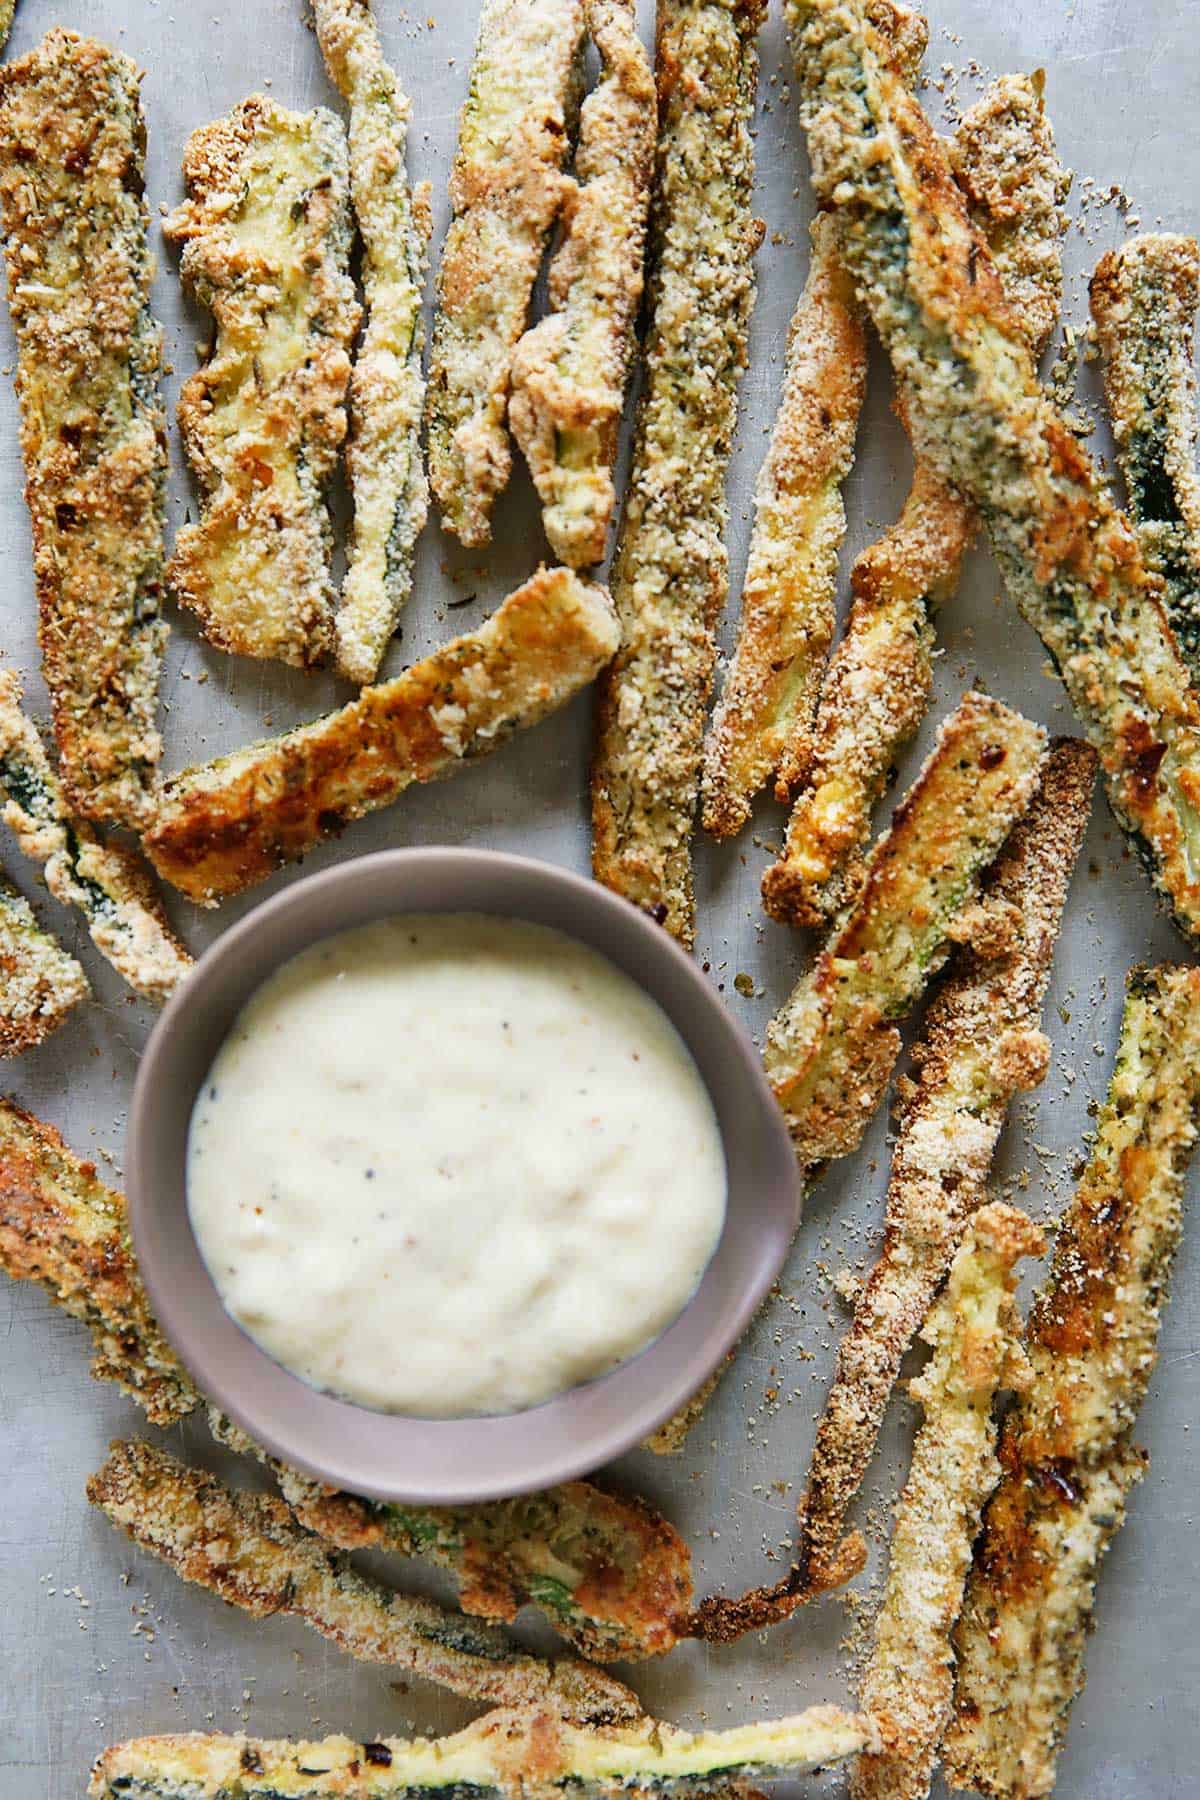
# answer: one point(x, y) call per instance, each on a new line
point(451, 1164)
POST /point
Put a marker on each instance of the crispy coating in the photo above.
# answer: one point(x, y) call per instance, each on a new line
point(529, 1755)
point(611, 1574)
point(266, 245)
point(224, 825)
point(1069, 558)
point(506, 189)
point(671, 571)
point(7, 9)
point(570, 371)
point(762, 724)
point(39, 981)
point(387, 388)
point(877, 687)
point(1144, 299)
point(93, 432)
point(974, 1330)
point(60, 1225)
point(109, 883)
point(980, 1046)
point(1068, 1464)
point(831, 1047)
point(249, 1549)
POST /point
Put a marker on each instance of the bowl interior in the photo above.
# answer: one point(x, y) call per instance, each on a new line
point(454, 1461)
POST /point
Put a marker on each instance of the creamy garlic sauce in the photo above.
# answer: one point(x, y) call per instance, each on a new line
point(449, 1164)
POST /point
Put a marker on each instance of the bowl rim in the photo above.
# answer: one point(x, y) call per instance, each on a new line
point(468, 1460)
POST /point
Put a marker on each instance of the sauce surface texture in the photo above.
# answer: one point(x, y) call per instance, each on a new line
point(451, 1164)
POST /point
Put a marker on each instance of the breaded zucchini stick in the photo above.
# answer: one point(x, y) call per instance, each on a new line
point(980, 417)
point(1092, 1342)
point(109, 884)
point(671, 571)
point(7, 9)
point(224, 825)
point(61, 1226)
point(93, 432)
point(974, 1329)
point(502, 1756)
point(249, 1549)
point(266, 247)
point(877, 687)
point(1144, 298)
point(570, 371)
point(39, 981)
point(387, 388)
point(762, 723)
point(506, 188)
point(980, 1046)
point(610, 1573)
point(832, 1046)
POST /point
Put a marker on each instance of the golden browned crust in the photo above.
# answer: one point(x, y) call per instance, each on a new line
point(225, 825)
point(529, 1755)
point(974, 1330)
point(1068, 1463)
point(762, 723)
point(1144, 297)
point(670, 574)
point(981, 417)
point(108, 882)
point(387, 388)
point(832, 1046)
point(60, 1225)
point(569, 372)
point(506, 188)
point(266, 236)
point(249, 1549)
point(93, 434)
point(878, 683)
point(39, 981)
point(979, 1047)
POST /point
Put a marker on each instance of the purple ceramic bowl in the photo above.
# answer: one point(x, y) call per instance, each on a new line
point(455, 1461)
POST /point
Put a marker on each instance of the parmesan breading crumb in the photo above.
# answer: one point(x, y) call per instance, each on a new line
point(671, 569)
point(266, 245)
point(249, 1549)
point(93, 433)
point(506, 189)
point(570, 370)
point(226, 824)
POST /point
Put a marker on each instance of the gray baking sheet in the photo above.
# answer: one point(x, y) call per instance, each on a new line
point(99, 1642)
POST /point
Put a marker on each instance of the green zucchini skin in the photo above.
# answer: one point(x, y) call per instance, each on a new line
point(1144, 298)
point(1070, 559)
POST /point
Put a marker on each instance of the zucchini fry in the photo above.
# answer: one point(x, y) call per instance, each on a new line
point(7, 9)
point(109, 884)
point(248, 1549)
point(610, 1573)
point(502, 1756)
point(762, 723)
point(877, 687)
point(981, 1045)
point(39, 981)
point(1068, 1464)
point(570, 371)
point(387, 388)
point(224, 825)
point(506, 188)
point(980, 417)
point(671, 572)
point(266, 246)
point(1144, 301)
point(93, 432)
point(61, 1226)
point(832, 1046)
point(974, 1330)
